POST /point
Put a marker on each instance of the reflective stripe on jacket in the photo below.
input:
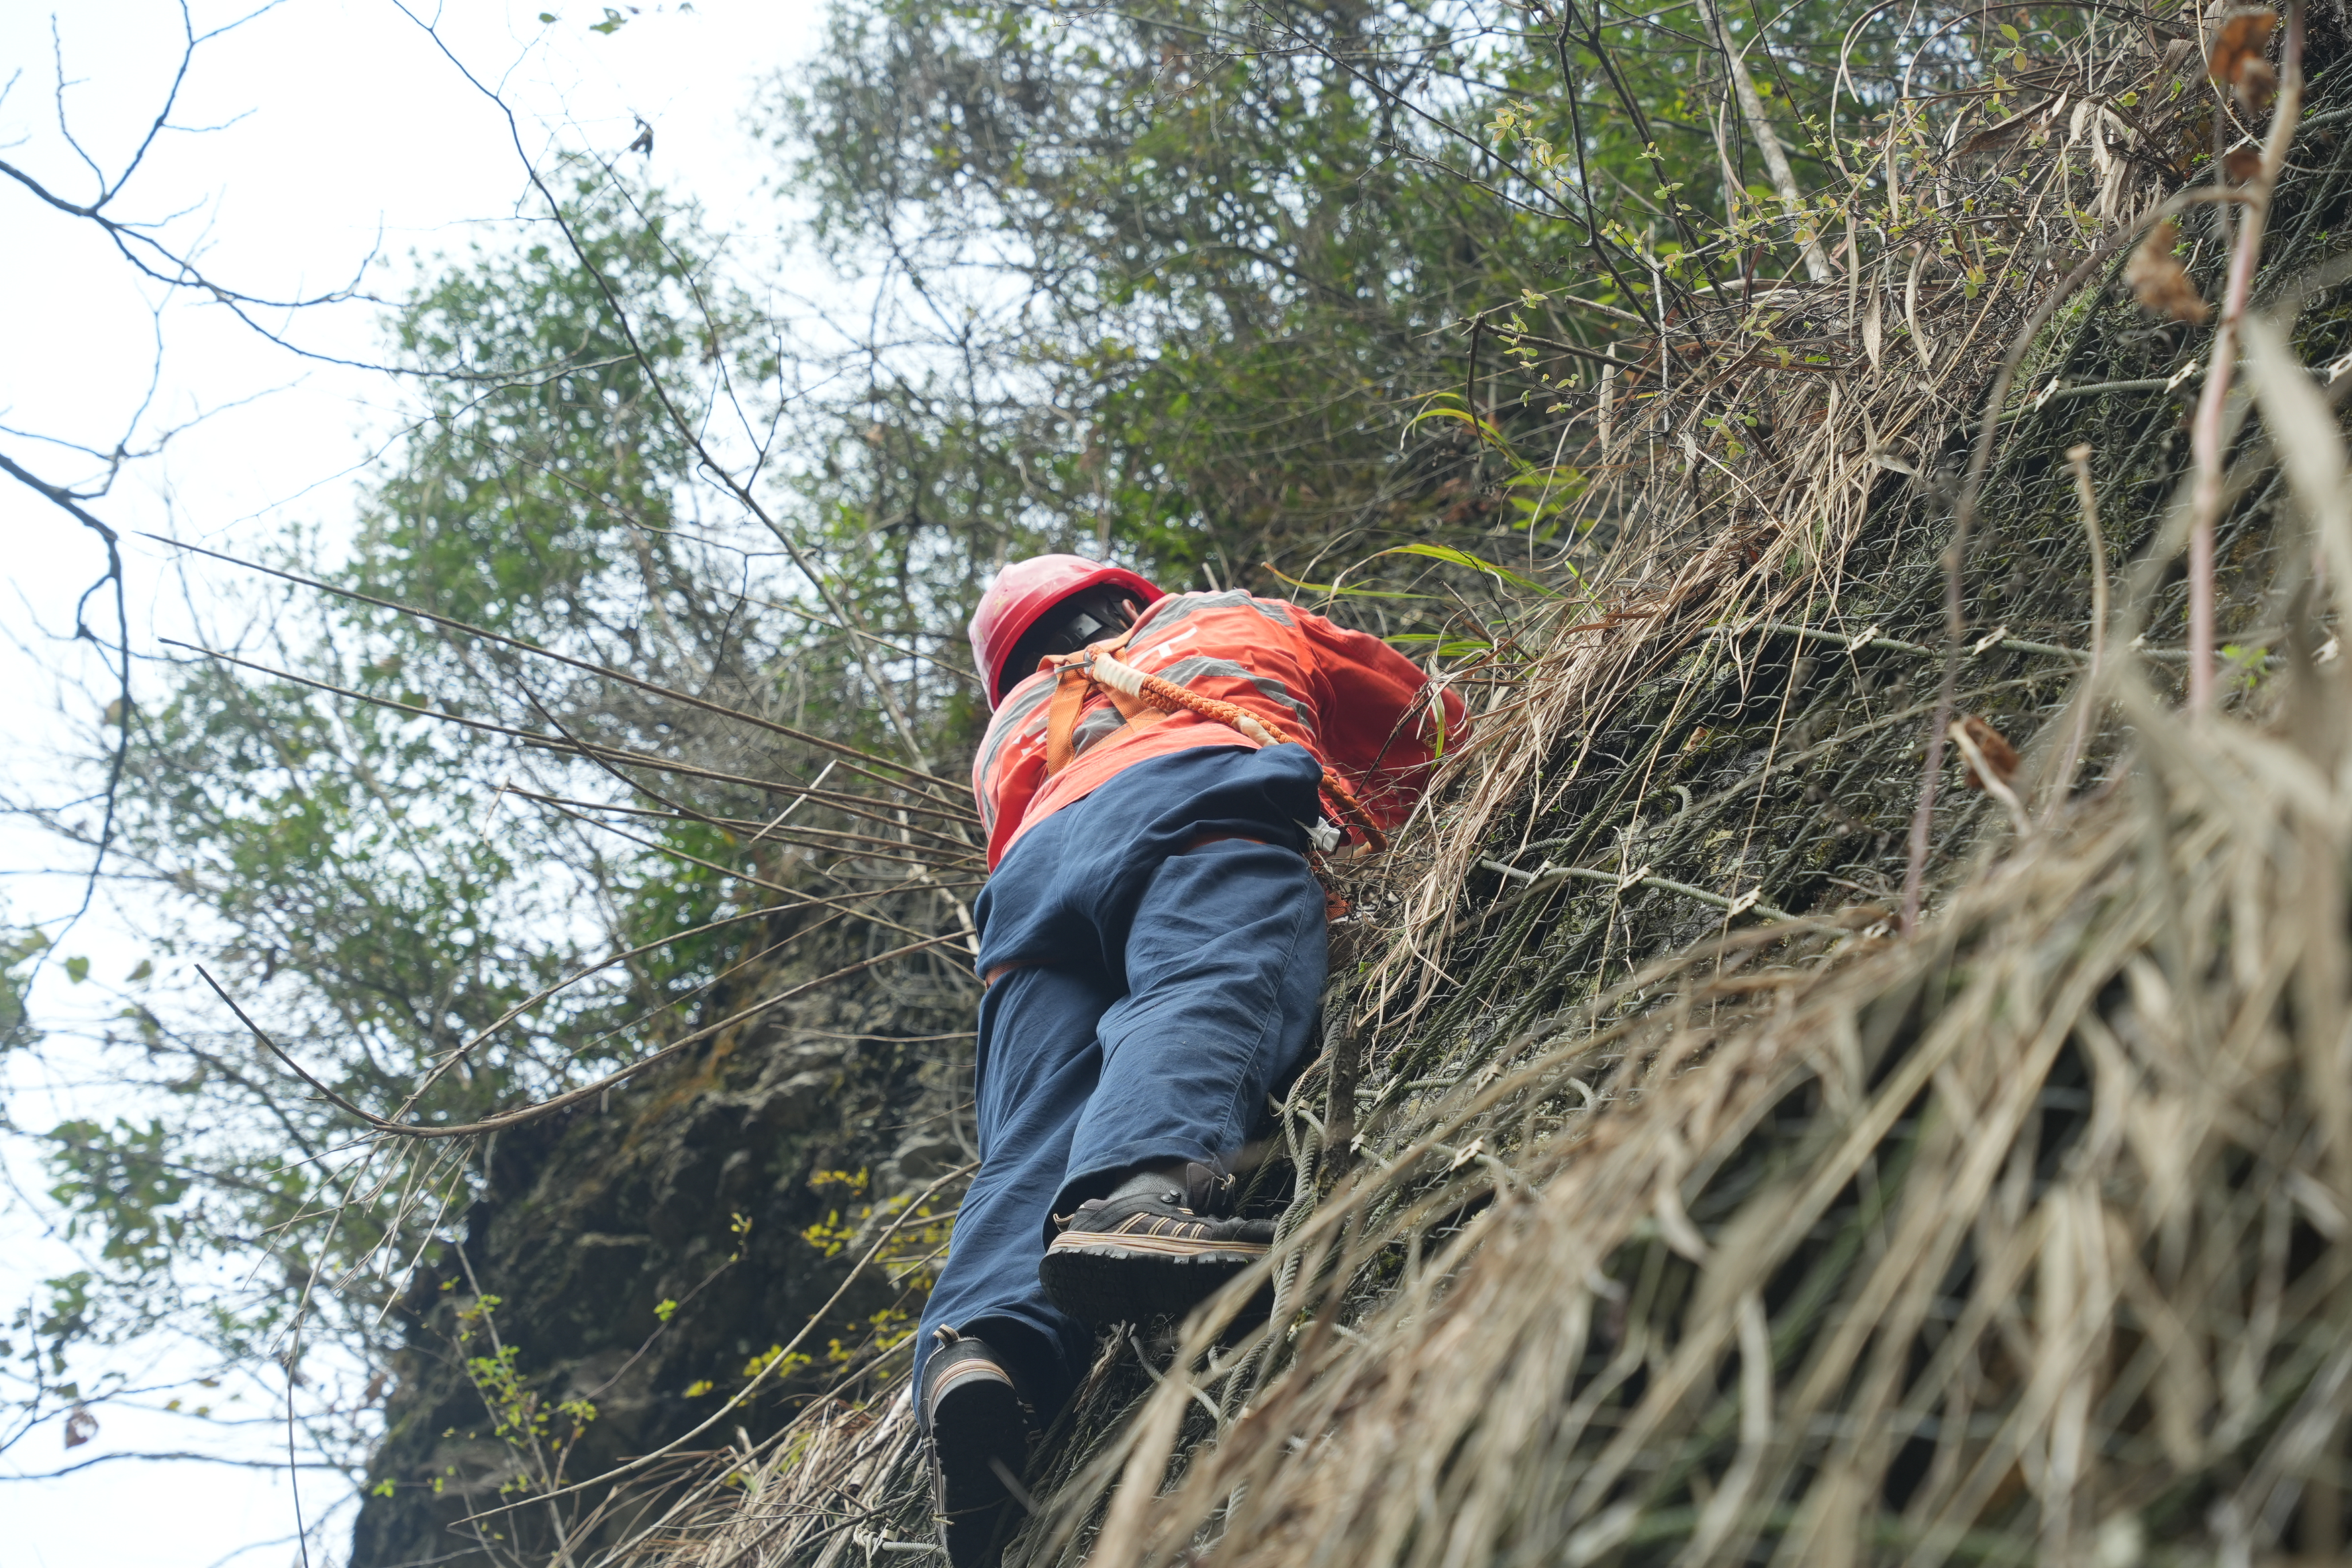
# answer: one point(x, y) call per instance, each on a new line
point(1351, 698)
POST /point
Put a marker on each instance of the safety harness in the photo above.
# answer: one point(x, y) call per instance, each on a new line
point(1134, 693)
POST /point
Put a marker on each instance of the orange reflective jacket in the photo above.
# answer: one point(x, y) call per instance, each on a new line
point(1357, 703)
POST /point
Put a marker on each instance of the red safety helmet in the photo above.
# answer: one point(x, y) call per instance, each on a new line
point(1025, 593)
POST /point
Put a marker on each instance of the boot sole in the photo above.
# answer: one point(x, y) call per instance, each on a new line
point(978, 1420)
point(1118, 1281)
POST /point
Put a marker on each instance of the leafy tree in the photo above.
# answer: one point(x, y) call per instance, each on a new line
point(1200, 272)
point(363, 873)
point(18, 950)
point(1217, 288)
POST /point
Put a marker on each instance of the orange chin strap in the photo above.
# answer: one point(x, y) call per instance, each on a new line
point(1141, 698)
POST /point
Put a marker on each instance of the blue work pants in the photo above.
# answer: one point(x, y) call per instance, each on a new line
point(1169, 943)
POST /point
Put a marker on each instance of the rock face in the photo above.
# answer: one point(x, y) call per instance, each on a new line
point(741, 1185)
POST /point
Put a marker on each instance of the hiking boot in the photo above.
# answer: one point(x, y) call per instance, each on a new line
point(980, 1449)
point(1153, 1248)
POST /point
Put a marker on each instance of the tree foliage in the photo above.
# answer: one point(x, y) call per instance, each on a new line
point(1241, 295)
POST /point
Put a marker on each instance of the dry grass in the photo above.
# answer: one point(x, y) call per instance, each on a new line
point(1846, 1249)
point(1666, 1225)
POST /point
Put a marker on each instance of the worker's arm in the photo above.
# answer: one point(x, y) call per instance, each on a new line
point(1010, 766)
point(1383, 723)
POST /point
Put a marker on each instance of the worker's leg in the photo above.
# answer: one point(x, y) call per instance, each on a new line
point(1063, 909)
point(1037, 1064)
point(1225, 959)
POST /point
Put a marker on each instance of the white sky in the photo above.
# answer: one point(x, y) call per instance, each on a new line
point(356, 135)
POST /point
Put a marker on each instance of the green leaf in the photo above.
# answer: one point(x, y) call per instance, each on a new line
point(1336, 591)
point(1484, 429)
point(146, 968)
point(1443, 645)
point(613, 23)
point(1463, 558)
point(544, 16)
point(77, 970)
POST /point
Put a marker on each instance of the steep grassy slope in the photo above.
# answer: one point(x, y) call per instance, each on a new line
point(1655, 1200)
point(1680, 1211)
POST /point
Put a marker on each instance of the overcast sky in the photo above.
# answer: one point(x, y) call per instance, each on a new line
point(341, 132)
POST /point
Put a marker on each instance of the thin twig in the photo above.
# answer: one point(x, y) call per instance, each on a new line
point(2205, 428)
point(2086, 499)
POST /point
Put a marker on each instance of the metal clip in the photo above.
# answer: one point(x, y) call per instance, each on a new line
point(1324, 835)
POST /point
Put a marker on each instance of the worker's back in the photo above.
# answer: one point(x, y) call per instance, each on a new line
point(1348, 697)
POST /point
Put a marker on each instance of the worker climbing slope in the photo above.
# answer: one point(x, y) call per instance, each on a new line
point(1151, 936)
